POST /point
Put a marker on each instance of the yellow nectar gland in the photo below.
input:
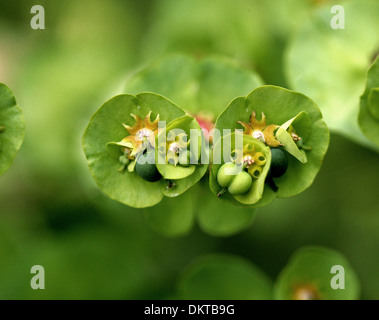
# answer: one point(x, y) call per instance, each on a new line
point(260, 130)
point(143, 131)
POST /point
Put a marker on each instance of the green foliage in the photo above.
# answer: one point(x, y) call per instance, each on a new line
point(218, 218)
point(223, 277)
point(330, 65)
point(203, 86)
point(307, 276)
point(12, 128)
point(369, 109)
point(172, 217)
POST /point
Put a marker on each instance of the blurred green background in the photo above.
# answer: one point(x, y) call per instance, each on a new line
point(51, 212)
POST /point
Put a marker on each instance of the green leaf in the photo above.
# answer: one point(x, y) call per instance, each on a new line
point(195, 85)
point(106, 126)
point(12, 128)
point(224, 277)
point(279, 106)
point(330, 65)
point(289, 145)
point(218, 218)
point(308, 275)
point(369, 108)
point(172, 217)
point(373, 102)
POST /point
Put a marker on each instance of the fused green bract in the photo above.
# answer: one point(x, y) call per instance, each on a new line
point(102, 144)
point(178, 146)
point(309, 276)
point(289, 120)
point(12, 128)
point(369, 107)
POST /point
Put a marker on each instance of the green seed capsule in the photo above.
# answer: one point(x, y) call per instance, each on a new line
point(279, 162)
point(225, 174)
point(146, 167)
point(255, 171)
point(241, 183)
point(259, 159)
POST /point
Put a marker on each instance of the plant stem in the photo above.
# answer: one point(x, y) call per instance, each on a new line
point(221, 192)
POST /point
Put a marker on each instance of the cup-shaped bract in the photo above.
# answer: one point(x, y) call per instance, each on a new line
point(179, 155)
point(122, 130)
point(317, 273)
point(369, 108)
point(224, 277)
point(12, 128)
point(284, 119)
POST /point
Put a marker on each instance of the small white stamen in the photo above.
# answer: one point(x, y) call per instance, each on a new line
point(259, 135)
point(174, 147)
point(144, 133)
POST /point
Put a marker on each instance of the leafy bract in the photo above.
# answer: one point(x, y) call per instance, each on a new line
point(106, 126)
point(369, 109)
point(329, 65)
point(203, 86)
point(224, 277)
point(172, 217)
point(218, 218)
point(308, 276)
point(179, 129)
point(286, 108)
point(12, 128)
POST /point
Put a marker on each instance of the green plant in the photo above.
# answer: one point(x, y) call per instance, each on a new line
point(12, 128)
point(287, 118)
point(290, 125)
point(331, 65)
point(224, 277)
point(369, 107)
point(117, 130)
point(307, 276)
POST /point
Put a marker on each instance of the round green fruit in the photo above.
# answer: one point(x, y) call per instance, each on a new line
point(146, 168)
point(225, 174)
point(279, 162)
point(241, 183)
